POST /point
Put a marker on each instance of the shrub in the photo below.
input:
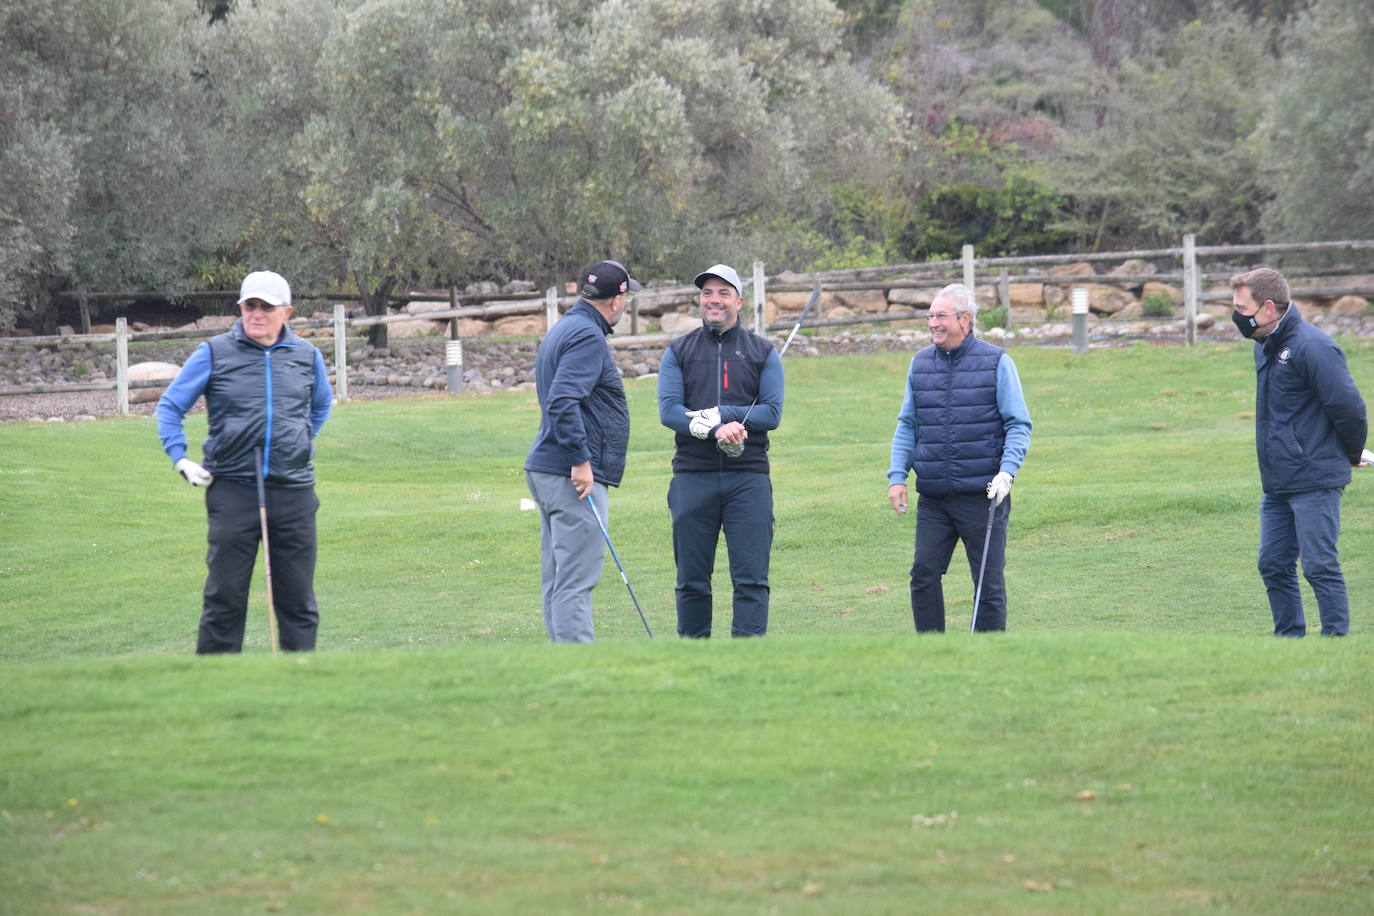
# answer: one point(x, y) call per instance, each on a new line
point(1157, 305)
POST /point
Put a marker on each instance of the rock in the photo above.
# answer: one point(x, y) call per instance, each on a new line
point(1173, 292)
point(215, 322)
point(424, 306)
point(1135, 267)
point(1355, 306)
point(66, 330)
point(678, 323)
point(150, 372)
point(56, 420)
point(840, 311)
point(519, 325)
point(415, 328)
point(1132, 309)
point(521, 286)
point(1078, 269)
point(1205, 321)
point(1026, 294)
point(478, 290)
point(473, 327)
point(82, 418)
point(862, 300)
point(1107, 300)
point(907, 297)
point(1023, 315)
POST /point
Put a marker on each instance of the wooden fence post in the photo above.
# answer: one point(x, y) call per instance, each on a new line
point(550, 308)
point(340, 353)
point(1004, 296)
point(760, 320)
point(1192, 289)
point(967, 258)
point(122, 366)
point(85, 313)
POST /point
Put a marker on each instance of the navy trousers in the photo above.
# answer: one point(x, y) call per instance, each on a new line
point(235, 530)
point(1306, 526)
point(704, 503)
point(941, 522)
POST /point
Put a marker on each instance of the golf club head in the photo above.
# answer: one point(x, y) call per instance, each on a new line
point(731, 449)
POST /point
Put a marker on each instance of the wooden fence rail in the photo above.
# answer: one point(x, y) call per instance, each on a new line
point(924, 275)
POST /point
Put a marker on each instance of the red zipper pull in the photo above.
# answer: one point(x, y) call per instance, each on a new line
point(727, 373)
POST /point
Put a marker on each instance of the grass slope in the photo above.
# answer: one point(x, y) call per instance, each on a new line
point(461, 764)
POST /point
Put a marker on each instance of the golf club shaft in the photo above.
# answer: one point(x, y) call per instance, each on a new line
point(982, 567)
point(266, 550)
point(815, 296)
point(618, 565)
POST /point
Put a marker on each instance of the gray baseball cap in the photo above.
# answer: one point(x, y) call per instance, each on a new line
point(721, 272)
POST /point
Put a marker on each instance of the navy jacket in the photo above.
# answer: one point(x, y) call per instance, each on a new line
point(584, 414)
point(276, 398)
point(1310, 422)
point(728, 369)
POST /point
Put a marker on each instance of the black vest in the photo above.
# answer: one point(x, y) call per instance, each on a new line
point(959, 431)
point(258, 396)
point(721, 367)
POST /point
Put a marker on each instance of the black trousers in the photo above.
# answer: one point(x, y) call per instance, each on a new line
point(941, 522)
point(703, 503)
point(235, 531)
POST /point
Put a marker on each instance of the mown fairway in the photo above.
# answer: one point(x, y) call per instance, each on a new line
point(1136, 743)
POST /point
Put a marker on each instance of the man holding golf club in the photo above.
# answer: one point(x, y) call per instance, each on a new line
point(1310, 429)
point(964, 429)
point(267, 394)
point(720, 390)
point(579, 451)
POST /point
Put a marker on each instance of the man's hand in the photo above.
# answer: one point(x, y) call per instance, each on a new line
point(582, 479)
point(703, 421)
point(197, 475)
point(999, 487)
point(896, 494)
point(732, 433)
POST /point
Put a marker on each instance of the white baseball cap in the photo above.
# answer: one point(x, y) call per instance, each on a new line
point(722, 272)
point(270, 287)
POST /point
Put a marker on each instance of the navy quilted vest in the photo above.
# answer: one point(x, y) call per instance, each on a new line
point(959, 433)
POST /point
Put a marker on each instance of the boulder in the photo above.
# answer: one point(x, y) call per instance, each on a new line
point(1173, 292)
point(215, 322)
point(473, 327)
point(907, 298)
point(1349, 305)
point(519, 325)
point(150, 372)
point(413, 328)
point(678, 323)
point(423, 306)
point(1077, 269)
point(1026, 294)
point(1107, 300)
point(862, 300)
point(1132, 309)
point(1135, 267)
point(1027, 314)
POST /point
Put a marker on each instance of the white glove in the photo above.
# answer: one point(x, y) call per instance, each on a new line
point(999, 487)
point(197, 475)
point(703, 421)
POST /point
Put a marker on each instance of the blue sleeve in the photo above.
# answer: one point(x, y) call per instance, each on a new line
point(180, 397)
point(1011, 404)
point(579, 368)
point(1329, 376)
point(766, 414)
point(672, 411)
point(904, 436)
point(323, 399)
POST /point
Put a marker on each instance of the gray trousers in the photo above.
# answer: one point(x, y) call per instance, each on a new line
point(571, 553)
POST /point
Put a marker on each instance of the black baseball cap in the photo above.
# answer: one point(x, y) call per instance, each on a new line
point(606, 279)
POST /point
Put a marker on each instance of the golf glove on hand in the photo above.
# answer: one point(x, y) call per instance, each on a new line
point(703, 421)
point(197, 475)
point(999, 487)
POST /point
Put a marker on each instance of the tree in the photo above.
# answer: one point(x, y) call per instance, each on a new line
point(99, 145)
point(1317, 142)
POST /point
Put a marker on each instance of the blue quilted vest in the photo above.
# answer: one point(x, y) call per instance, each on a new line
point(959, 433)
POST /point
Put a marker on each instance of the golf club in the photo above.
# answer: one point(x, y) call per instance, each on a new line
point(266, 551)
point(618, 565)
point(982, 567)
point(736, 449)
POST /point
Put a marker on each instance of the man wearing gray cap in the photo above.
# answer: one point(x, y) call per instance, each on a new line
point(709, 381)
point(579, 451)
point(266, 392)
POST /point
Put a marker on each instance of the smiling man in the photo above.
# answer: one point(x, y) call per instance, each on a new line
point(708, 380)
point(964, 429)
point(265, 390)
point(1310, 430)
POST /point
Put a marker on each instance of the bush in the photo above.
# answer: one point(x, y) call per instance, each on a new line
point(992, 318)
point(1157, 305)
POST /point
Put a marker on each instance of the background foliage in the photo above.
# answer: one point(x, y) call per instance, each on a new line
point(380, 144)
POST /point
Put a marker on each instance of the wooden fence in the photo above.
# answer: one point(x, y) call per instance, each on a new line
point(934, 274)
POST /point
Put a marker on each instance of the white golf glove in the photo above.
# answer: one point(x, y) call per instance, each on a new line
point(703, 421)
point(999, 487)
point(197, 475)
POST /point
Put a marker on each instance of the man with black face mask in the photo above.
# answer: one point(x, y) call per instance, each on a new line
point(1309, 431)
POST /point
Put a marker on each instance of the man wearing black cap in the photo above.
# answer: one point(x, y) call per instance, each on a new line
point(709, 382)
point(584, 430)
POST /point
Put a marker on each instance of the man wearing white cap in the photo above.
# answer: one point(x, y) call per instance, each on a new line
point(720, 390)
point(266, 391)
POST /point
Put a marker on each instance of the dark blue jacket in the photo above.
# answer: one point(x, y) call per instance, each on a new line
point(1309, 418)
point(728, 369)
point(584, 414)
point(276, 398)
point(959, 448)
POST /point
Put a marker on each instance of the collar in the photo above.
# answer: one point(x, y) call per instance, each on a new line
point(600, 318)
point(959, 350)
point(1287, 323)
point(719, 334)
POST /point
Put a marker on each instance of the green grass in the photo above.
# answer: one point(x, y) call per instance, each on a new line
point(438, 756)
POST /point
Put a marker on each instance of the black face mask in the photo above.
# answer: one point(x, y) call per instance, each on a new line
point(1246, 324)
